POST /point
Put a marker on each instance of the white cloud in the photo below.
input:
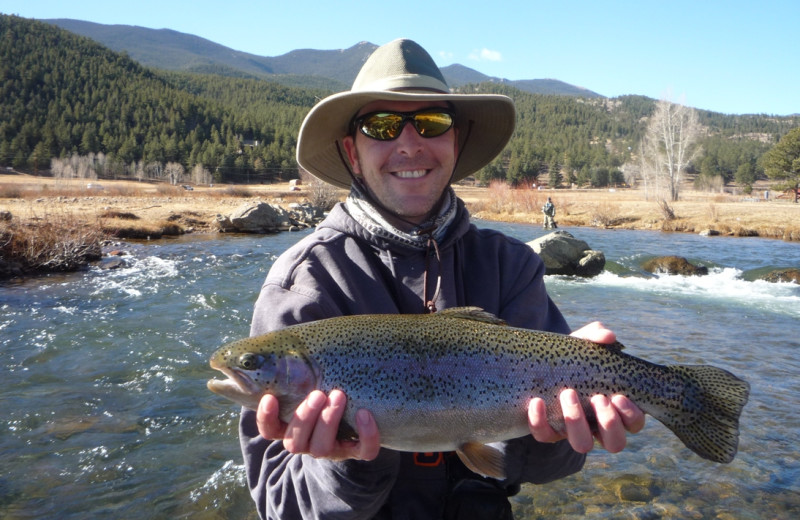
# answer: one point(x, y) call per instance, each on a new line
point(486, 55)
point(446, 55)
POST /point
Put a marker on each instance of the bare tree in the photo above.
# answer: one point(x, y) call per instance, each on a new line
point(200, 174)
point(137, 170)
point(154, 170)
point(667, 148)
point(174, 172)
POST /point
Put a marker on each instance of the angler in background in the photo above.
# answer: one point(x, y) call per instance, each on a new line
point(403, 243)
point(549, 210)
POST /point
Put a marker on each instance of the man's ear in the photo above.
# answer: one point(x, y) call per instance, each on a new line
point(349, 143)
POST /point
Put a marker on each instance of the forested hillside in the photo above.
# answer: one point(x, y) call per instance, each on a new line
point(63, 95)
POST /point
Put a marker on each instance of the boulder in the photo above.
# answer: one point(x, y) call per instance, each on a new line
point(783, 275)
point(564, 254)
point(673, 265)
point(305, 214)
point(258, 217)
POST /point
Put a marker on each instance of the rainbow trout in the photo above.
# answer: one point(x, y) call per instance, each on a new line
point(461, 378)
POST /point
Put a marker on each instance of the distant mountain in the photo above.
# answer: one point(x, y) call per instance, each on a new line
point(458, 75)
point(330, 69)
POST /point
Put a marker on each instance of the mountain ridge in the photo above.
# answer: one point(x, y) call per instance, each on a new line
point(173, 50)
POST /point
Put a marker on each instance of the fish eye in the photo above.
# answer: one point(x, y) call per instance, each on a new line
point(250, 361)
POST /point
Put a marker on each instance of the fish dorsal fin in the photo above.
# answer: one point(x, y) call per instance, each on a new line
point(482, 459)
point(614, 346)
point(471, 313)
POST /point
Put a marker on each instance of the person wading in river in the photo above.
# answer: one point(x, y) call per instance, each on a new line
point(549, 211)
point(402, 242)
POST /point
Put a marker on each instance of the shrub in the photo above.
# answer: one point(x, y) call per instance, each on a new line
point(57, 243)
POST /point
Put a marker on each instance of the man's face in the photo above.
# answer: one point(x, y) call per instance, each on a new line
point(406, 175)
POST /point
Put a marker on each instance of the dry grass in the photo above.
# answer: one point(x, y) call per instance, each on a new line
point(130, 209)
point(53, 242)
point(605, 215)
point(148, 230)
point(627, 209)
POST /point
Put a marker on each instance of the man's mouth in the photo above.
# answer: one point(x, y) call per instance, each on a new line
point(410, 174)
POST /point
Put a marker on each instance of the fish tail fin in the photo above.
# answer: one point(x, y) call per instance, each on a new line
point(713, 399)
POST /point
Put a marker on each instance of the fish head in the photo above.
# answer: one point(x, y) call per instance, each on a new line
point(275, 364)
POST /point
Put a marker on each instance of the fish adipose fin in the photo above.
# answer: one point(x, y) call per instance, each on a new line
point(482, 459)
point(470, 313)
point(714, 398)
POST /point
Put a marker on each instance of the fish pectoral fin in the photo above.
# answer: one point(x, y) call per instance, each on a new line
point(482, 459)
point(346, 432)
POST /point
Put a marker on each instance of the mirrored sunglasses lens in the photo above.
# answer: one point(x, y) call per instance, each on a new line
point(384, 126)
point(433, 124)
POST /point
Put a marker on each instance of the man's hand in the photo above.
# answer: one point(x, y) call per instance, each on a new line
point(615, 417)
point(313, 427)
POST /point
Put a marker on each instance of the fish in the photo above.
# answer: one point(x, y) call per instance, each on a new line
point(461, 378)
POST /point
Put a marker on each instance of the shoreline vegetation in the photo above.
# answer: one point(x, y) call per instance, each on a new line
point(51, 225)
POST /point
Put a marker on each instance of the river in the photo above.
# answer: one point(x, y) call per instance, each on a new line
point(105, 412)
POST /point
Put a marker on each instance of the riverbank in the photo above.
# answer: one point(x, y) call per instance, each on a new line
point(130, 209)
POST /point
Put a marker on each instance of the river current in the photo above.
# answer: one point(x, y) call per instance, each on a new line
point(105, 411)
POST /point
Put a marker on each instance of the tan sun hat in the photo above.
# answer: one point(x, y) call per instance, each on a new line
point(402, 71)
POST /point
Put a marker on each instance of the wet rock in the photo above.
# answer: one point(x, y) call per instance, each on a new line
point(564, 254)
point(709, 233)
point(675, 265)
point(111, 263)
point(632, 493)
point(633, 488)
point(783, 275)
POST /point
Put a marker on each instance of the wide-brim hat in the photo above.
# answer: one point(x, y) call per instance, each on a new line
point(403, 71)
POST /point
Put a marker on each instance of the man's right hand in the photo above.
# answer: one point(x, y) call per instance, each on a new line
point(313, 427)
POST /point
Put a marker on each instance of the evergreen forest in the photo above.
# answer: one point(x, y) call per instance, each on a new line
point(63, 95)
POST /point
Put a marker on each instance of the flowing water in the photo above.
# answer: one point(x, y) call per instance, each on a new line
point(105, 413)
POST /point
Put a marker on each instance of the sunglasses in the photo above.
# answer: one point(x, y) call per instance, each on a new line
point(386, 126)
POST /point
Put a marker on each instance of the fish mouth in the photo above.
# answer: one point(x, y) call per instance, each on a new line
point(237, 380)
point(238, 387)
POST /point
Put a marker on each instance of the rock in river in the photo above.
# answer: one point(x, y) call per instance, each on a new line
point(566, 255)
point(673, 265)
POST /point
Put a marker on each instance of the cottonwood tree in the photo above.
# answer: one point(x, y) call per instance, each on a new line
point(668, 146)
point(200, 174)
point(174, 172)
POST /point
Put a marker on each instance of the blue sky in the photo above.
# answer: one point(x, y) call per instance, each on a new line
point(733, 56)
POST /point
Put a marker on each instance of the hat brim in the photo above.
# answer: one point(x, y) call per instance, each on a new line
point(484, 122)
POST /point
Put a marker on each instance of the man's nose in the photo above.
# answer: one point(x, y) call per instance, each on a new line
point(409, 141)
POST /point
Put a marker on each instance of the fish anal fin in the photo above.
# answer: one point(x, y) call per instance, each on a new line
point(482, 459)
point(470, 313)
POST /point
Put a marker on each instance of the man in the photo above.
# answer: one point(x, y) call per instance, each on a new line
point(549, 211)
point(403, 243)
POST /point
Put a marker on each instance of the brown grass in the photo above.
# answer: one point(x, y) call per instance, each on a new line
point(130, 209)
point(733, 215)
